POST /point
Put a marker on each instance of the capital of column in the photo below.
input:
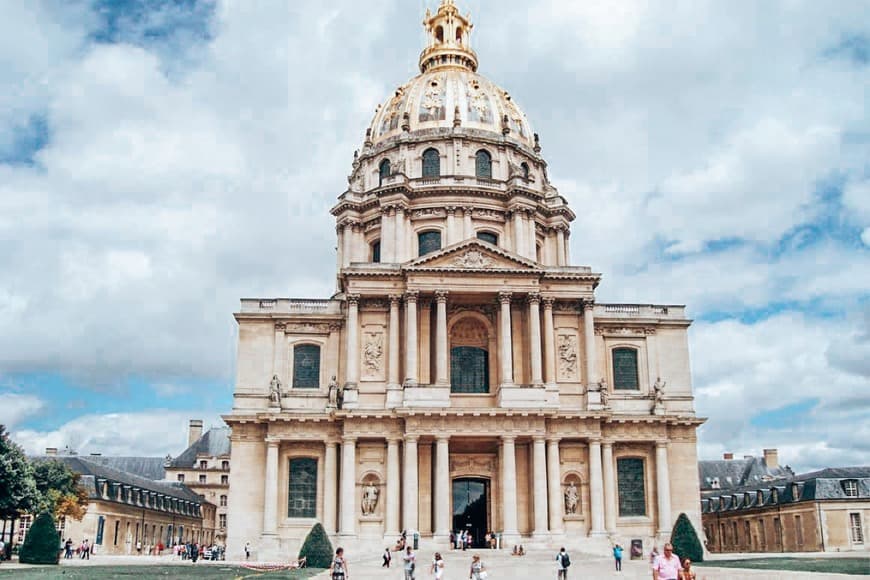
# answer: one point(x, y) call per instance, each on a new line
point(505, 297)
point(353, 299)
point(394, 439)
point(441, 296)
point(395, 299)
point(280, 327)
point(451, 210)
point(412, 438)
point(661, 444)
point(606, 443)
point(442, 437)
point(348, 438)
point(588, 305)
point(554, 439)
point(412, 296)
point(594, 441)
point(273, 441)
point(387, 210)
point(548, 302)
point(508, 438)
point(331, 443)
point(468, 210)
point(539, 438)
point(533, 298)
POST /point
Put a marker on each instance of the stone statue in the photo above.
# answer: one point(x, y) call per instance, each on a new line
point(658, 395)
point(275, 391)
point(572, 498)
point(370, 499)
point(605, 393)
point(333, 393)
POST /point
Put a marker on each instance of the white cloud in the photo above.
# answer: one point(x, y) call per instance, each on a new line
point(15, 408)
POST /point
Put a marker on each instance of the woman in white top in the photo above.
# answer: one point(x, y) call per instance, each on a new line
point(438, 566)
point(478, 570)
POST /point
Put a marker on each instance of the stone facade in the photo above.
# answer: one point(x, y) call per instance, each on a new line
point(463, 375)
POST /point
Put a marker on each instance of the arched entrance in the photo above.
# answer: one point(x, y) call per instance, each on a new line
point(470, 499)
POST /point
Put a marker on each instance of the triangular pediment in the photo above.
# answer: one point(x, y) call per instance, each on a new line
point(472, 254)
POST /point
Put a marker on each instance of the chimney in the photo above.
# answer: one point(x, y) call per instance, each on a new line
point(771, 458)
point(51, 451)
point(728, 456)
point(194, 432)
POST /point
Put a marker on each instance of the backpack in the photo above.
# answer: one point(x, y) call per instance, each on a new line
point(566, 560)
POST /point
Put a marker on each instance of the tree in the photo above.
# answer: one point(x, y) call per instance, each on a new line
point(17, 487)
point(317, 549)
point(685, 540)
point(58, 490)
point(41, 545)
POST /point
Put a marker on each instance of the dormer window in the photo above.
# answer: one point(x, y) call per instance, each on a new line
point(795, 492)
point(850, 487)
point(715, 484)
point(760, 498)
point(774, 495)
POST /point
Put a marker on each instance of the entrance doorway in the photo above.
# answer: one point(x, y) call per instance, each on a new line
point(470, 500)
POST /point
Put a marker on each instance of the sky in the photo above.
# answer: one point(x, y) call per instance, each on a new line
point(159, 163)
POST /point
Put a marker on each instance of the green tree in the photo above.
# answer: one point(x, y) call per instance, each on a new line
point(685, 540)
point(58, 490)
point(41, 545)
point(317, 549)
point(17, 486)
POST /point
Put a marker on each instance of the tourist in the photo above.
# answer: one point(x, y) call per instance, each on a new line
point(86, 550)
point(410, 563)
point(617, 557)
point(388, 557)
point(247, 550)
point(339, 569)
point(687, 572)
point(478, 570)
point(2, 549)
point(563, 561)
point(667, 566)
point(438, 566)
point(68, 549)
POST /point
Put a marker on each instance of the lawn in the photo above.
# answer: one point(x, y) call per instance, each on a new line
point(857, 566)
point(146, 572)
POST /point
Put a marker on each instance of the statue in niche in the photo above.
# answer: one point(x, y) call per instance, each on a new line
point(658, 394)
point(370, 499)
point(275, 391)
point(572, 499)
point(605, 393)
point(333, 393)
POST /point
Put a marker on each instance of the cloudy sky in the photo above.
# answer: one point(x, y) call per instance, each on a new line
point(157, 165)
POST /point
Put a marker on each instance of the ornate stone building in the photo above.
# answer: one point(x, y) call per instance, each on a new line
point(463, 375)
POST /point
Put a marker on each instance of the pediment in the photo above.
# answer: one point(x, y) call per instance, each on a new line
point(472, 255)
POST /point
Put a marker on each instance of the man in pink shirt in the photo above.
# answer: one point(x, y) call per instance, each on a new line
point(667, 566)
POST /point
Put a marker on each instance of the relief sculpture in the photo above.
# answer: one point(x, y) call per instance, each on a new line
point(567, 356)
point(373, 353)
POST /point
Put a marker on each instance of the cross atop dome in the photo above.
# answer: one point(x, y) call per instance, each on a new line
point(449, 39)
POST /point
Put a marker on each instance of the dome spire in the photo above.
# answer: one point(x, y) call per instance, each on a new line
point(449, 39)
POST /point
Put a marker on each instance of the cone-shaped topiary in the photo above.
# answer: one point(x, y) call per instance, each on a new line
point(41, 545)
point(685, 540)
point(317, 549)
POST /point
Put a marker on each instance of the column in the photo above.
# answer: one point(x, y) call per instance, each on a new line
point(589, 342)
point(560, 247)
point(280, 350)
point(596, 498)
point(663, 487)
point(609, 487)
point(330, 495)
point(505, 340)
point(411, 337)
point(399, 244)
point(568, 248)
point(348, 486)
point(393, 372)
point(539, 470)
point(468, 227)
point(388, 233)
point(509, 484)
point(348, 243)
point(519, 233)
point(534, 300)
point(352, 352)
point(531, 237)
point(554, 485)
point(360, 248)
point(410, 484)
point(339, 231)
point(392, 491)
point(442, 486)
point(451, 225)
point(270, 498)
point(441, 363)
point(549, 343)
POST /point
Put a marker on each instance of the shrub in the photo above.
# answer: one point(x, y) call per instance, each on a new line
point(685, 540)
point(41, 545)
point(317, 549)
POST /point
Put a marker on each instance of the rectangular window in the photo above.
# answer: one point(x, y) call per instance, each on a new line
point(202, 479)
point(747, 531)
point(222, 520)
point(225, 465)
point(225, 479)
point(117, 526)
point(101, 524)
point(857, 529)
point(203, 464)
point(850, 486)
point(798, 531)
point(306, 366)
point(736, 536)
point(223, 501)
point(181, 478)
point(625, 369)
point(762, 537)
point(302, 497)
point(777, 531)
point(631, 487)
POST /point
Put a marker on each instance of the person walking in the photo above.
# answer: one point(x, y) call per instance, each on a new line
point(563, 561)
point(617, 557)
point(86, 550)
point(478, 570)
point(410, 560)
point(67, 549)
point(338, 569)
point(667, 566)
point(388, 557)
point(247, 550)
point(438, 566)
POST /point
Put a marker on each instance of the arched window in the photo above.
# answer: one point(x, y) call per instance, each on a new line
point(431, 163)
point(302, 496)
point(306, 366)
point(376, 251)
point(525, 168)
point(630, 486)
point(383, 171)
point(488, 237)
point(439, 34)
point(625, 369)
point(459, 34)
point(428, 242)
point(483, 164)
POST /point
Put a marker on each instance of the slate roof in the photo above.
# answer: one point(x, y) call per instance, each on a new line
point(736, 473)
point(214, 443)
point(147, 467)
